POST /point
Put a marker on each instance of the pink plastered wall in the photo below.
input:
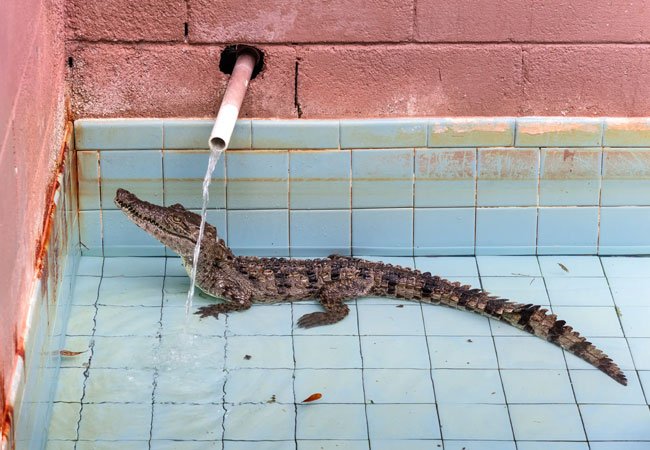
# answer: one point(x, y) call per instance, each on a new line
point(32, 117)
point(378, 58)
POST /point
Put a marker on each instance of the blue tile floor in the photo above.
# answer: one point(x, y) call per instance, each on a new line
point(392, 375)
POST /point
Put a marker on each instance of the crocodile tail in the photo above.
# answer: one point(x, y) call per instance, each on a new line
point(532, 318)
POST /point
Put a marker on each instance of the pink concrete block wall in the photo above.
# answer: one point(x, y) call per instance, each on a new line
point(380, 58)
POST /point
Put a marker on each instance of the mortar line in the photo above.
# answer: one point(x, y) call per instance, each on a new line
point(293, 379)
point(600, 197)
point(477, 155)
point(363, 370)
point(413, 210)
point(539, 181)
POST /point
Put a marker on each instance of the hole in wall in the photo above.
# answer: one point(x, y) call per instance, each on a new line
point(229, 56)
point(187, 30)
point(70, 61)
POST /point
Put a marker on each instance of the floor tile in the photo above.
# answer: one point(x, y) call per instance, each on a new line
point(570, 266)
point(80, 348)
point(537, 386)
point(133, 266)
point(343, 422)
point(508, 266)
point(523, 352)
point(168, 444)
point(70, 384)
point(619, 445)
point(591, 387)
point(81, 321)
point(630, 291)
point(336, 385)
point(144, 291)
point(259, 386)
point(91, 266)
point(444, 321)
point(468, 386)
point(60, 445)
point(448, 266)
point(462, 353)
point(189, 386)
point(205, 423)
point(64, 414)
point(517, 289)
point(333, 445)
point(557, 445)
point(480, 445)
point(257, 445)
point(398, 386)
point(640, 348)
point(175, 268)
point(268, 352)
point(468, 421)
point(127, 321)
point(635, 321)
point(390, 320)
point(134, 352)
point(259, 422)
point(115, 421)
point(616, 422)
point(348, 325)
point(176, 321)
point(600, 321)
point(327, 352)
point(119, 386)
point(85, 290)
point(625, 266)
point(547, 422)
point(198, 352)
point(386, 352)
point(416, 421)
point(579, 292)
point(261, 320)
point(644, 375)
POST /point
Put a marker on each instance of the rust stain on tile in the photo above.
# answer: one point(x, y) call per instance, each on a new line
point(627, 164)
point(557, 127)
point(570, 164)
point(508, 164)
point(445, 165)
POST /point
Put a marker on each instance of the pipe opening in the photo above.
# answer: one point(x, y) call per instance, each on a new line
point(229, 57)
point(217, 144)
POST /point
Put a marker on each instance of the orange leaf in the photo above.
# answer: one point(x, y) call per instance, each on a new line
point(69, 353)
point(312, 397)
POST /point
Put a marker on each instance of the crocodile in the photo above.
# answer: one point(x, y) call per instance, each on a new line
point(244, 280)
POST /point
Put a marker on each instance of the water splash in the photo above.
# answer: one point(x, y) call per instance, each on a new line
point(212, 163)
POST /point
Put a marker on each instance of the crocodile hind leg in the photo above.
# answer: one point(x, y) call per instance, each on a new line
point(223, 308)
point(331, 297)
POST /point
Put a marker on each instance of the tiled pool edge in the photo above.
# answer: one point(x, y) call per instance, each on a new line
point(561, 190)
point(34, 378)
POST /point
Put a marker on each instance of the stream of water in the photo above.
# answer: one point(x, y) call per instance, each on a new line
point(212, 163)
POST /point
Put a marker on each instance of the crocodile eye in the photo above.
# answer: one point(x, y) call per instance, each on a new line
point(176, 219)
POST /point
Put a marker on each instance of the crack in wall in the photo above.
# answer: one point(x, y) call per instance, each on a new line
point(296, 100)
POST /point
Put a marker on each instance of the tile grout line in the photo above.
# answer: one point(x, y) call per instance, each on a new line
point(289, 204)
point(539, 182)
point(600, 199)
point(86, 372)
point(293, 379)
point(363, 379)
point(496, 355)
point(477, 154)
point(159, 337)
point(225, 373)
point(413, 211)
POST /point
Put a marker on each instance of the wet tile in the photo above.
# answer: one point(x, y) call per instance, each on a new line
point(162, 444)
point(591, 387)
point(320, 232)
point(259, 232)
point(449, 352)
point(119, 386)
point(398, 386)
point(445, 177)
point(268, 384)
point(482, 445)
point(579, 292)
point(444, 231)
point(88, 178)
point(176, 321)
point(623, 230)
point(190, 352)
point(559, 131)
point(194, 133)
point(382, 178)
point(507, 177)
point(261, 320)
point(124, 238)
point(247, 190)
point(537, 386)
point(89, 266)
point(260, 445)
point(145, 291)
point(443, 321)
point(60, 445)
point(336, 385)
point(448, 266)
point(626, 132)
point(137, 171)
point(454, 420)
point(115, 421)
point(405, 444)
point(506, 231)
point(567, 230)
point(626, 177)
point(517, 289)
point(259, 422)
point(467, 386)
point(90, 233)
point(395, 352)
point(570, 266)
point(205, 423)
point(81, 321)
point(127, 321)
point(546, 422)
point(347, 326)
point(77, 344)
point(523, 352)
point(640, 348)
point(616, 348)
point(382, 133)
point(390, 320)
point(63, 415)
point(416, 421)
point(471, 132)
point(343, 422)
point(630, 291)
point(184, 172)
point(336, 352)
point(619, 445)
point(134, 352)
point(387, 232)
point(270, 352)
point(319, 179)
point(635, 320)
point(295, 134)
point(625, 266)
point(175, 267)
point(104, 134)
point(645, 380)
point(569, 176)
point(601, 321)
point(616, 422)
point(70, 384)
point(133, 266)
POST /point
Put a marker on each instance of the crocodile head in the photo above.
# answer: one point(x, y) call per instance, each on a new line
point(174, 226)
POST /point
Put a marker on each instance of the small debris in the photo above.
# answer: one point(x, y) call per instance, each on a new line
point(618, 312)
point(399, 306)
point(563, 267)
point(312, 398)
point(272, 399)
point(469, 340)
point(372, 402)
point(247, 357)
point(493, 393)
point(70, 353)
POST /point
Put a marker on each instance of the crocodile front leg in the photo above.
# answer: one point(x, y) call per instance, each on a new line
point(331, 297)
point(223, 308)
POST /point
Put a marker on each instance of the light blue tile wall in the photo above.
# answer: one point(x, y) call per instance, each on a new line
point(438, 186)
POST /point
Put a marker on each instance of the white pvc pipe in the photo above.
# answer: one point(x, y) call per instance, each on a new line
point(232, 100)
